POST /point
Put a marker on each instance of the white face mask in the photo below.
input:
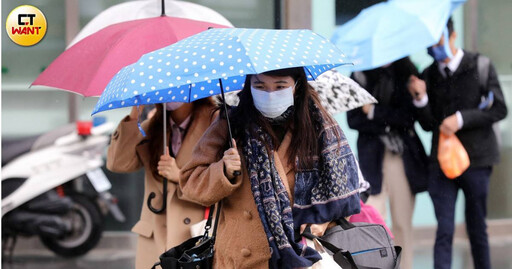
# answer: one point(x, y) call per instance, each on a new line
point(173, 106)
point(272, 104)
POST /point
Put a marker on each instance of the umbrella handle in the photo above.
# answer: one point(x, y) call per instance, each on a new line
point(235, 173)
point(164, 200)
point(152, 195)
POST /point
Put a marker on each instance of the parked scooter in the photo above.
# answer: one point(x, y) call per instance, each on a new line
point(53, 187)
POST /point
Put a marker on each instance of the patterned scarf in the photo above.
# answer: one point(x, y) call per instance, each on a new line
point(327, 192)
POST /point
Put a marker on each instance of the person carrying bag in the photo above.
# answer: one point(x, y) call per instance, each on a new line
point(460, 94)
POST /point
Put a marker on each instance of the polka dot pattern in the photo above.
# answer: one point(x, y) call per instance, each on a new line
point(191, 68)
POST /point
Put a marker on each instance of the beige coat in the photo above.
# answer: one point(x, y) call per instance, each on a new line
point(157, 232)
point(241, 241)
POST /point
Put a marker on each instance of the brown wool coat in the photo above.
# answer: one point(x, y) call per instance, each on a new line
point(128, 152)
point(241, 240)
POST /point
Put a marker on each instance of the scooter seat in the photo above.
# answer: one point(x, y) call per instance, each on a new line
point(12, 148)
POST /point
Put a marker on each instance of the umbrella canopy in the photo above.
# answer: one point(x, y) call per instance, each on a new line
point(391, 30)
point(87, 67)
point(135, 10)
point(199, 66)
point(338, 93)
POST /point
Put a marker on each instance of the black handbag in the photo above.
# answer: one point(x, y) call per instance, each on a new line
point(196, 252)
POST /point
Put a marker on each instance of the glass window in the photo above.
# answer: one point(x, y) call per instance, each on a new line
point(247, 13)
point(347, 9)
point(491, 38)
point(23, 64)
point(89, 9)
point(29, 111)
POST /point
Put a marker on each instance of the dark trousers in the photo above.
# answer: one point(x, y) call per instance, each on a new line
point(443, 192)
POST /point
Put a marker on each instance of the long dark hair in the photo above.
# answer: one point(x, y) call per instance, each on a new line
point(156, 129)
point(304, 142)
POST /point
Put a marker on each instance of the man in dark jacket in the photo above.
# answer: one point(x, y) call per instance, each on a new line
point(391, 156)
point(447, 101)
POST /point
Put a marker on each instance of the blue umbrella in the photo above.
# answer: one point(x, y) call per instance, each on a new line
point(213, 62)
point(391, 30)
point(196, 67)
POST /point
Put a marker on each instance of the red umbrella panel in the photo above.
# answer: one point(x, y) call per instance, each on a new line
point(88, 66)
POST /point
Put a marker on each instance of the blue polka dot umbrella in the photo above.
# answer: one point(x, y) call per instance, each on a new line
point(215, 61)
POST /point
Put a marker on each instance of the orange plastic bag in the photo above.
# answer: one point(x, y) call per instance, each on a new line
point(452, 156)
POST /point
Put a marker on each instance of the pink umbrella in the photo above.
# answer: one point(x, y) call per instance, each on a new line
point(87, 67)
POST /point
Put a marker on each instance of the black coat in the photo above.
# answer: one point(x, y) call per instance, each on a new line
point(462, 92)
point(398, 116)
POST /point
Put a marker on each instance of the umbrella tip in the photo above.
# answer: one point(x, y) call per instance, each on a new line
point(163, 9)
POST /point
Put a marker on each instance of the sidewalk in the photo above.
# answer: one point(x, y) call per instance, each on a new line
point(116, 250)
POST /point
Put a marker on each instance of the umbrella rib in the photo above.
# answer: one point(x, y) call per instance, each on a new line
point(309, 72)
point(190, 93)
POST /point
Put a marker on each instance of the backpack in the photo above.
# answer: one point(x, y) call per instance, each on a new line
point(483, 64)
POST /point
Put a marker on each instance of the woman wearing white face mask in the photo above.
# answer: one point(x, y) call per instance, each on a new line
point(296, 169)
point(130, 151)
